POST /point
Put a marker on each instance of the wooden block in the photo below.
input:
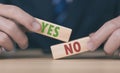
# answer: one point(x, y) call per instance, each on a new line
point(70, 48)
point(54, 31)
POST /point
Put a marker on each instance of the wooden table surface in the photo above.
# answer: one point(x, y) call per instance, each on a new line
point(36, 62)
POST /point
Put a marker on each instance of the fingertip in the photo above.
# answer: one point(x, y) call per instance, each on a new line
point(24, 44)
point(36, 26)
point(24, 47)
point(108, 52)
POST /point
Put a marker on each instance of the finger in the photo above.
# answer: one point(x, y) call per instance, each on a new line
point(113, 42)
point(103, 33)
point(20, 16)
point(6, 42)
point(10, 28)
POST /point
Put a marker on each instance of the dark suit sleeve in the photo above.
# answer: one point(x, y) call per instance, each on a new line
point(5, 1)
point(118, 7)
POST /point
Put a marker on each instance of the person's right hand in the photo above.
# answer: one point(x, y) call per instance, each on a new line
point(11, 20)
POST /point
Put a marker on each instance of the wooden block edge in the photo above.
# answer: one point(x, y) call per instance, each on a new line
point(64, 43)
point(59, 26)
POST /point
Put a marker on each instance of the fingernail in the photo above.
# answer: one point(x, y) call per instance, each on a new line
point(36, 26)
point(90, 46)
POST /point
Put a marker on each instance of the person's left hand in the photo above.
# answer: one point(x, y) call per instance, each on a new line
point(109, 33)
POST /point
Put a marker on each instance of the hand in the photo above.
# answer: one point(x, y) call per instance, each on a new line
point(12, 19)
point(109, 32)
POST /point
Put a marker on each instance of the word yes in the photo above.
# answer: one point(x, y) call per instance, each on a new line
point(50, 29)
